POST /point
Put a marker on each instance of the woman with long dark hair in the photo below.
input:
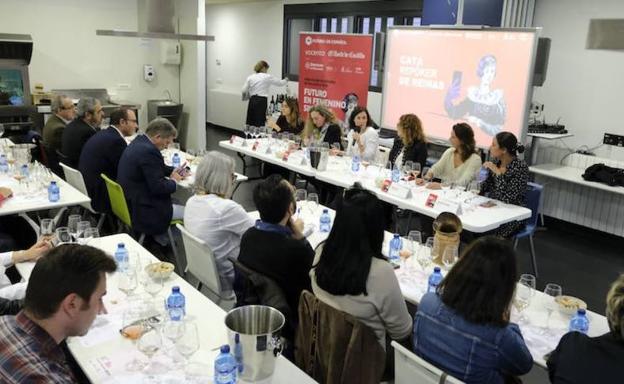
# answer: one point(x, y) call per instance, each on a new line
point(507, 177)
point(460, 163)
point(410, 143)
point(256, 88)
point(362, 138)
point(464, 327)
point(353, 276)
point(289, 121)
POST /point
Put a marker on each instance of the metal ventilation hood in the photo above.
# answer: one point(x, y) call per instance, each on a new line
point(606, 34)
point(157, 19)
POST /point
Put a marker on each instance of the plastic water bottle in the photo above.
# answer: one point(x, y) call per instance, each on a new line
point(434, 280)
point(579, 322)
point(325, 224)
point(54, 193)
point(24, 170)
point(225, 367)
point(482, 175)
point(396, 174)
point(176, 304)
point(121, 256)
point(175, 160)
point(395, 247)
point(355, 163)
point(238, 353)
point(4, 164)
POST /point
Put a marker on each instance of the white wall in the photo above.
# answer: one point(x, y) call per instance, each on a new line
point(583, 87)
point(68, 54)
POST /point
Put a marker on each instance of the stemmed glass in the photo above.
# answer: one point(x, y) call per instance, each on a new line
point(133, 326)
point(312, 202)
point(552, 291)
point(424, 173)
point(152, 285)
point(449, 256)
point(188, 343)
point(407, 168)
point(425, 256)
point(414, 239)
point(90, 234)
point(46, 228)
point(149, 343)
point(127, 280)
point(72, 225)
point(301, 195)
point(524, 290)
point(81, 227)
point(63, 236)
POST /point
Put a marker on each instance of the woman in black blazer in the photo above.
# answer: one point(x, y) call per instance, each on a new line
point(410, 143)
point(321, 126)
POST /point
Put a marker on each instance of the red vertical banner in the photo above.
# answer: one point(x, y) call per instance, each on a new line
point(334, 70)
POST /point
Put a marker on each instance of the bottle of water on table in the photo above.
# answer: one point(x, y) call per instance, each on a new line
point(4, 164)
point(121, 257)
point(176, 304)
point(580, 322)
point(396, 244)
point(175, 160)
point(225, 367)
point(396, 173)
point(355, 163)
point(434, 280)
point(54, 193)
point(325, 221)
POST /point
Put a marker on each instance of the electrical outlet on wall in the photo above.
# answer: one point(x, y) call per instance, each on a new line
point(612, 139)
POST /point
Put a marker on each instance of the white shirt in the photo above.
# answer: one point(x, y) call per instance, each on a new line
point(445, 168)
point(259, 84)
point(220, 223)
point(370, 138)
point(7, 290)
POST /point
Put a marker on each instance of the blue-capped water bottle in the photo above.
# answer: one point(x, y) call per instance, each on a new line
point(482, 175)
point(54, 193)
point(225, 367)
point(24, 170)
point(121, 257)
point(4, 164)
point(175, 160)
point(176, 304)
point(355, 163)
point(396, 173)
point(395, 247)
point(325, 221)
point(434, 280)
point(580, 322)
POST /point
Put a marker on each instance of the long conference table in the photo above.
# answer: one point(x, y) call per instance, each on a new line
point(103, 353)
point(474, 217)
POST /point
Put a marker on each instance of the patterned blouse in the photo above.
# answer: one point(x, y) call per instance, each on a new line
point(511, 188)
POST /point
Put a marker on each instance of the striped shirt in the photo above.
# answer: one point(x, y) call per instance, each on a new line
point(28, 354)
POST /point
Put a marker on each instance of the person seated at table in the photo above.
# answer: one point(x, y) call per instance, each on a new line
point(16, 291)
point(580, 359)
point(148, 183)
point(275, 246)
point(213, 217)
point(460, 163)
point(289, 121)
point(63, 297)
point(322, 126)
point(362, 138)
point(410, 143)
point(351, 273)
point(101, 154)
point(63, 112)
point(463, 328)
point(507, 178)
point(76, 133)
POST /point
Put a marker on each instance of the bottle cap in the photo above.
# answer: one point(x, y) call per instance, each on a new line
point(436, 269)
point(580, 311)
point(237, 338)
point(121, 245)
point(53, 182)
point(175, 288)
point(325, 210)
point(396, 235)
point(225, 348)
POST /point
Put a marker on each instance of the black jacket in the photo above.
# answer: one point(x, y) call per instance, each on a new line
point(75, 135)
point(101, 154)
point(416, 152)
point(333, 135)
point(144, 177)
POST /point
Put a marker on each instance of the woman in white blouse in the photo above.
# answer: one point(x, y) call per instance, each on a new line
point(362, 138)
point(460, 163)
point(18, 290)
point(213, 217)
point(256, 88)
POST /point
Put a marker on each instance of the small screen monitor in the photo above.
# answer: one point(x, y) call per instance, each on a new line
point(11, 87)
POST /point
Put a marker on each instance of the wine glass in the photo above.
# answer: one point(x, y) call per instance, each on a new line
point(414, 239)
point(127, 280)
point(424, 173)
point(46, 228)
point(551, 290)
point(152, 285)
point(90, 234)
point(72, 225)
point(133, 326)
point(416, 169)
point(173, 329)
point(301, 195)
point(149, 343)
point(312, 202)
point(63, 236)
point(188, 343)
point(407, 168)
point(449, 256)
point(524, 291)
point(81, 227)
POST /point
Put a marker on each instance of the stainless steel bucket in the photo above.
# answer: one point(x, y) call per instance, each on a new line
point(253, 335)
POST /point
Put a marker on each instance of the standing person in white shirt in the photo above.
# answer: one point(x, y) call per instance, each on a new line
point(362, 138)
point(213, 217)
point(257, 88)
point(17, 291)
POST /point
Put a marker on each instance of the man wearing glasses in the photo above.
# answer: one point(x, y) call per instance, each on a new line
point(76, 134)
point(63, 112)
point(101, 154)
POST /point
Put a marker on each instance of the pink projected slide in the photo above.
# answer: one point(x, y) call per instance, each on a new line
point(446, 76)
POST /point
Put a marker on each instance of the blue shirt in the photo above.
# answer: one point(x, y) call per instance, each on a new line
point(471, 352)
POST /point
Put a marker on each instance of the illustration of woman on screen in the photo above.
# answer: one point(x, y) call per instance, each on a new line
point(483, 107)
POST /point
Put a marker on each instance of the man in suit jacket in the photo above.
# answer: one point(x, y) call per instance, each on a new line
point(63, 112)
point(101, 154)
point(147, 182)
point(76, 134)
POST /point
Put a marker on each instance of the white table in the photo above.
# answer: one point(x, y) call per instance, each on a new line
point(571, 175)
point(192, 163)
point(4, 142)
point(103, 352)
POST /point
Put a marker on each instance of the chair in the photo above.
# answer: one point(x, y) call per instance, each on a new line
point(75, 179)
point(409, 368)
point(534, 195)
point(120, 210)
point(200, 262)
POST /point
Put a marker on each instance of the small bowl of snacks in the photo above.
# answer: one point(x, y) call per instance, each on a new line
point(160, 270)
point(568, 305)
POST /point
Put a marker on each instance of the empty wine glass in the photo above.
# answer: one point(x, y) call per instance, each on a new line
point(90, 234)
point(407, 168)
point(46, 228)
point(173, 329)
point(188, 343)
point(149, 343)
point(416, 169)
point(449, 256)
point(72, 225)
point(152, 285)
point(301, 195)
point(81, 227)
point(414, 239)
point(425, 256)
point(127, 280)
point(552, 291)
point(524, 291)
point(312, 202)
point(63, 236)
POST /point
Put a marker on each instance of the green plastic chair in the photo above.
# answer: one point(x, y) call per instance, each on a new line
point(120, 209)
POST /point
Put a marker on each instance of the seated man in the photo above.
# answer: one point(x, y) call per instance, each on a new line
point(148, 183)
point(275, 245)
point(101, 154)
point(63, 297)
point(63, 112)
point(76, 134)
